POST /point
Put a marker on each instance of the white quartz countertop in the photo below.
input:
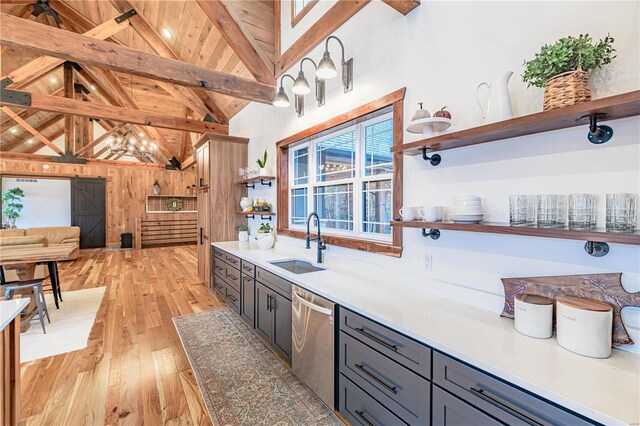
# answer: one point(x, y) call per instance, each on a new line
point(605, 390)
point(9, 309)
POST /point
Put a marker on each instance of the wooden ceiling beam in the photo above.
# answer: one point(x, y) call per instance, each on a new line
point(187, 96)
point(99, 152)
point(47, 159)
point(87, 148)
point(31, 130)
point(403, 6)
point(240, 39)
point(8, 122)
point(39, 67)
point(41, 128)
point(86, 50)
point(119, 114)
point(189, 163)
point(38, 145)
point(323, 28)
point(68, 80)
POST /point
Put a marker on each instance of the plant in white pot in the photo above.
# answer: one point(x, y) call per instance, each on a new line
point(265, 238)
point(243, 233)
point(262, 163)
point(561, 68)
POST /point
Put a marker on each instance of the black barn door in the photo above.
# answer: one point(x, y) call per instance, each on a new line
point(88, 211)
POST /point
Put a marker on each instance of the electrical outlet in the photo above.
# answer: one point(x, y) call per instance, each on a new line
point(428, 262)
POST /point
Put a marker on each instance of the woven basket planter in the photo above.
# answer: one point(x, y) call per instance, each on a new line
point(567, 89)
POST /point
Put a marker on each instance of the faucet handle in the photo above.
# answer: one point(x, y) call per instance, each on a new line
point(322, 244)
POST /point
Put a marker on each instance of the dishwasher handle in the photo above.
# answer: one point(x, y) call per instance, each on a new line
point(319, 309)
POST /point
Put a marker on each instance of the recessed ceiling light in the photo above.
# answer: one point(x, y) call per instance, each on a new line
point(14, 130)
point(166, 32)
point(93, 87)
point(53, 80)
point(30, 141)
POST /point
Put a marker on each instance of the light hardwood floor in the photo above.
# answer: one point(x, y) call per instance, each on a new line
point(134, 370)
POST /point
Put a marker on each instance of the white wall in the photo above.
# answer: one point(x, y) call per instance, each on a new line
point(440, 52)
point(47, 202)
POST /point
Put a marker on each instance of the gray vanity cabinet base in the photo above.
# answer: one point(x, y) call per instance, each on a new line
point(247, 299)
point(447, 410)
point(273, 319)
point(264, 319)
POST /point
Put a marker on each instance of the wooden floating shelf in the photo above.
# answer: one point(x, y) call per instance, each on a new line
point(258, 213)
point(256, 179)
point(615, 107)
point(599, 235)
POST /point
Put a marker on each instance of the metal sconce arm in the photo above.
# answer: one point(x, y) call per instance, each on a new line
point(347, 66)
point(320, 84)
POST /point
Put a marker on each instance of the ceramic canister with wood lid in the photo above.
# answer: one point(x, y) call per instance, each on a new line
point(584, 326)
point(534, 315)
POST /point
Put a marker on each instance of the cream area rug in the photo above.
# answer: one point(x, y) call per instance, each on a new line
point(69, 328)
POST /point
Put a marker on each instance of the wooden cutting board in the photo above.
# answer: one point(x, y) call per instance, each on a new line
point(603, 287)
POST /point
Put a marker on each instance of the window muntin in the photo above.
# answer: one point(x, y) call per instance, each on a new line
point(298, 5)
point(350, 185)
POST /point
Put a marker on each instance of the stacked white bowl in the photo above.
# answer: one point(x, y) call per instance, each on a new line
point(466, 208)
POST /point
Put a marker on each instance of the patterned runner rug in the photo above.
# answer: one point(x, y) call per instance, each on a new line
point(242, 381)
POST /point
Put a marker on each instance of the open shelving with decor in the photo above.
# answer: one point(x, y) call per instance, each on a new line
point(254, 215)
point(168, 204)
point(262, 180)
point(594, 235)
point(582, 114)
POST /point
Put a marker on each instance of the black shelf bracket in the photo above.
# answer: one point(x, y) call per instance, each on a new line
point(250, 185)
point(596, 248)
point(265, 182)
point(598, 134)
point(435, 159)
point(266, 217)
point(250, 216)
point(433, 233)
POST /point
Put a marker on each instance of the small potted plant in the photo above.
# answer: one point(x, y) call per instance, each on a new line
point(262, 163)
point(266, 207)
point(243, 233)
point(561, 68)
point(265, 238)
point(12, 205)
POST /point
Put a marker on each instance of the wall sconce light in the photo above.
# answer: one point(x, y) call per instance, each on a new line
point(327, 69)
point(282, 100)
point(324, 70)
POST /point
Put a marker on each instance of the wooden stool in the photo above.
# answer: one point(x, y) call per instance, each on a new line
point(36, 287)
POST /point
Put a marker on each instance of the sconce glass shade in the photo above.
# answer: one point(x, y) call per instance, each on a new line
point(281, 100)
point(301, 85)
point(326, 67)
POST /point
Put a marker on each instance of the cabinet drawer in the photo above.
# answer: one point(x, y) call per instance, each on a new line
point(503, 401)
point(450, 411)
point(248, 268)
point(361, 409)
point(219, 267)
point(413, 355)
point(402, 391)
point(217, 253)
point(233, 277)
point(233, 298)
point(218, 285)
point(275, 282)
point(232, 260)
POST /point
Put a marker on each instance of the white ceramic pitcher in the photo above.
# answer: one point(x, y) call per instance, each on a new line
point(498, 105)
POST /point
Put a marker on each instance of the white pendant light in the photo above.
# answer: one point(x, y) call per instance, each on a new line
point(281, 100)
point(301, 85)
point(326, 67)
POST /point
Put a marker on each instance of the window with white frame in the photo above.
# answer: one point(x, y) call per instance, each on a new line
point(346, 177)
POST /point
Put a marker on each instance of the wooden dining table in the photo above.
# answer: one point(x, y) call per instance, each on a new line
point(27, 258)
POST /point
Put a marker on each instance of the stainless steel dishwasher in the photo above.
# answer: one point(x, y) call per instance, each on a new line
point(312, 356)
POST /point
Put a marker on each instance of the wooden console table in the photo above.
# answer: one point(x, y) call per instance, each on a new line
point(10, 360)
point(30, 257)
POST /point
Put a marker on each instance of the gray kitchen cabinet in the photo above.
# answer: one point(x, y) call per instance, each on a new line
point(447, 410)
point(281, 307)
point(273, 319)
point(248, 299)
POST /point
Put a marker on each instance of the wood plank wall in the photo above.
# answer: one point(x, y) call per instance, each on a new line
point(127, 188)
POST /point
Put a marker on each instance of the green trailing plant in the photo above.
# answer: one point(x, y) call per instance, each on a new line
point(12, 205)
point(265, 228)
point(262, 162)
point(567, 54)
point(243, 228)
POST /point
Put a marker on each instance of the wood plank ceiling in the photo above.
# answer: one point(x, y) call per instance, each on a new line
point(194, 39)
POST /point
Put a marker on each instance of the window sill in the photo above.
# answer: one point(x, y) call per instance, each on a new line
point(386, 249)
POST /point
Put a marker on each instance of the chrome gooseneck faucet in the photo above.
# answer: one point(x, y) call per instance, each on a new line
point(322, 246)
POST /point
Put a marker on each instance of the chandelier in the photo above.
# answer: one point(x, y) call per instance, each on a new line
point(131, 144)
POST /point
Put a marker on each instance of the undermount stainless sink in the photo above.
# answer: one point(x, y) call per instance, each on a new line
point(296, 266)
